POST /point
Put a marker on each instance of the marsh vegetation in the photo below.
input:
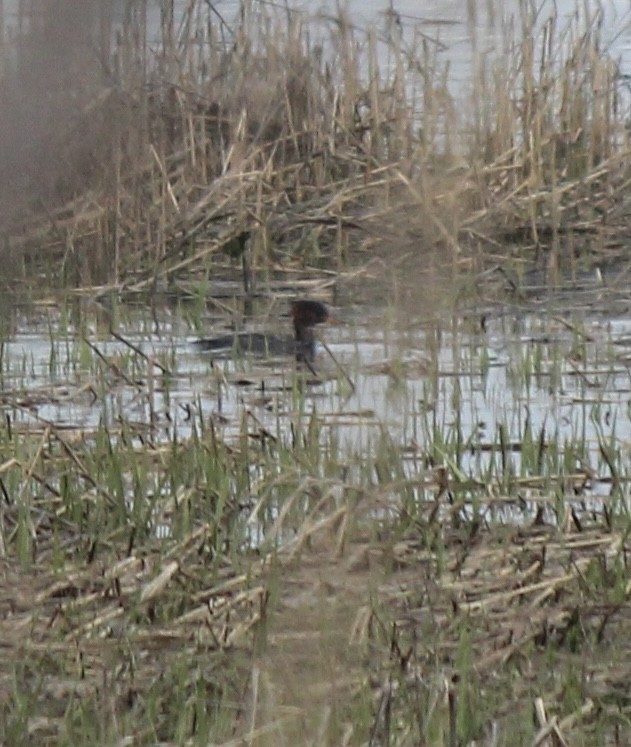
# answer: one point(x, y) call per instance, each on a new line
point(423, 541)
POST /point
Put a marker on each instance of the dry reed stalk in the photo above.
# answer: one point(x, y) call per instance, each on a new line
point(265, 135)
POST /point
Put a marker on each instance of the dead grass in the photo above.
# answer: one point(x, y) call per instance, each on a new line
point(312, 153)
point(518, 631)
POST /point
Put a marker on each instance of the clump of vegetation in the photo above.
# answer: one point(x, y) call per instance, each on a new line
point(145, 158)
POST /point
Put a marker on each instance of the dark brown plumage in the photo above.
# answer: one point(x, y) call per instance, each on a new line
point(305, 314)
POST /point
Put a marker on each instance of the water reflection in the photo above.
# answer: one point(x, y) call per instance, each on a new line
point(456, 27)
point(546, 372)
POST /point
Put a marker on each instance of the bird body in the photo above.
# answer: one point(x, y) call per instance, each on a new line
point(305, 313)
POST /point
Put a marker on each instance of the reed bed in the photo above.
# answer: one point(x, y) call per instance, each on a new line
point(291, 144)
point(171, 576)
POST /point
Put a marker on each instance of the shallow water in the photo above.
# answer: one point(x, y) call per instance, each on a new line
point(452, 27)
point(455, 389)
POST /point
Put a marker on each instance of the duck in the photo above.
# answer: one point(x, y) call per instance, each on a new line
point(306, 314)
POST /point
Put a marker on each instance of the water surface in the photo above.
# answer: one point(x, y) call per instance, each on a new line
point(553, 367)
